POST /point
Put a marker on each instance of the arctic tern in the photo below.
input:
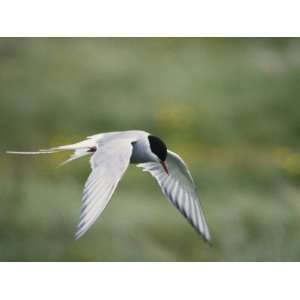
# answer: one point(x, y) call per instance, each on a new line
point(111, 153)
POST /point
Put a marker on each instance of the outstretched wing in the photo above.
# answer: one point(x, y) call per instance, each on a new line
point(180, 189)
point(108, 163)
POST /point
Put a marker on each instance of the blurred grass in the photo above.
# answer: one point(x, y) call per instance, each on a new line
point(230, 107)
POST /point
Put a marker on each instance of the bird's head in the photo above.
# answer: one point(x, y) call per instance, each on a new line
point(160, 150)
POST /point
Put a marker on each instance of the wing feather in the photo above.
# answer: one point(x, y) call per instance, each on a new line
point(108, 163)
point(180, 189)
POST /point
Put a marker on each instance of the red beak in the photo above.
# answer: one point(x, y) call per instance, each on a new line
point(164, 165)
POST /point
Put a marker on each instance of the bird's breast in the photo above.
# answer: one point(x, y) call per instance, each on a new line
point(140, 152)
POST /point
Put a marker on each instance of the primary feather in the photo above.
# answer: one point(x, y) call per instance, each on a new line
point(109, 163)
point(180, 189)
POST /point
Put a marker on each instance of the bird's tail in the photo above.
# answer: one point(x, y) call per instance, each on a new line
point(80, 149)
point(31, 152)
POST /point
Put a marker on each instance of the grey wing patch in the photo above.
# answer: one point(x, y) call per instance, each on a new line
point(179, 189)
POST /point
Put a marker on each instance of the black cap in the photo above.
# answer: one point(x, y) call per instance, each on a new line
point(158, 147)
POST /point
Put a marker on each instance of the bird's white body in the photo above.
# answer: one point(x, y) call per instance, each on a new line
point(112, 152)
point(141, 151)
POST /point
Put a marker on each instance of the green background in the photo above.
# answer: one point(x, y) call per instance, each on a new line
point(229, 107)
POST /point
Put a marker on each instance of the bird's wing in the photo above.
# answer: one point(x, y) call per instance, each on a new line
point(180, 189)
point(108, 163)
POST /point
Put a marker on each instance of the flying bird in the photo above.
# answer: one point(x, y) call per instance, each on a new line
point(111, 153)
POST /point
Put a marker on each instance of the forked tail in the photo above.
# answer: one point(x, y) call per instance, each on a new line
point(80, 149)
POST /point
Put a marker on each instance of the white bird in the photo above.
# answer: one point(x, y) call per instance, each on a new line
point(111, 153)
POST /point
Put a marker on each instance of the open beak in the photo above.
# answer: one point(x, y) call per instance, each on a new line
point(164, 165)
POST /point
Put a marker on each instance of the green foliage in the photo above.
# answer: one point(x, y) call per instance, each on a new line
point(229, 107)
